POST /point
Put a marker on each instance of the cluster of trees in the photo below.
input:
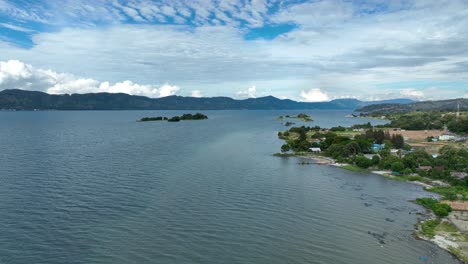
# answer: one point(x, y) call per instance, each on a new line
point(197, 116)
point(458, 126)
point(363, 126)
point(344, 149)
point(301, 139)
point(429, 120)
point(419, 121)
point(380, 137)
point(448, 160)
point(301, 142)
point(338, 129)
point(440, 209)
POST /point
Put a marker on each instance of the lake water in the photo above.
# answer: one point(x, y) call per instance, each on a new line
point(98, 187)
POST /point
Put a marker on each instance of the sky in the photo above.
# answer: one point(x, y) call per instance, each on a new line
point(301, 50)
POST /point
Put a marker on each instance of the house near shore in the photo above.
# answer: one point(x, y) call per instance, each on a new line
point(446, 137)
point(378, 147)
point(370, 156)
point(316, 150)
point(458, 174)
point(394, 151)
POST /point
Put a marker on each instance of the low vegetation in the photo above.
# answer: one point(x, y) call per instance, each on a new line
point(427, 120)
point(439, 209)
point(428, 227)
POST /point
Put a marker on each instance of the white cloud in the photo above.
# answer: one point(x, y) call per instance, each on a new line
point(18, 75)
point(197, 93)
point(251, 92)
point(167, 90)
point(314, 95)
point(317, 14)
point(14, 69)
point(16, 28)
point(411, 93)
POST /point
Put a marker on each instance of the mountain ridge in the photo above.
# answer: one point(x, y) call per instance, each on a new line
point(441, 105)
point(15, 99)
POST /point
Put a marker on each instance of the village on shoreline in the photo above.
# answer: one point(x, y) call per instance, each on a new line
point(417, 147)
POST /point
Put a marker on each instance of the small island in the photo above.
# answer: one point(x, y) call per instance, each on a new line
point(197, 116)
point(303, 117)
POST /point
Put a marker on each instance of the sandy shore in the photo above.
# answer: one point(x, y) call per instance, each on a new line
point(319, 159)
point(444, 243)
point(330, 161)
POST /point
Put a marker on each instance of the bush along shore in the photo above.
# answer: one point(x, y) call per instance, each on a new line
point(363, 148)
point(197, 116)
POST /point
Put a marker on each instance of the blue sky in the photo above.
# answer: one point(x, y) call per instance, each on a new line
point(302, 50)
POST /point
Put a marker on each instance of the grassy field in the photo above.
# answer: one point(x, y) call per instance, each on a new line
point(447, 191)
point(355, 168)
point(428, 227)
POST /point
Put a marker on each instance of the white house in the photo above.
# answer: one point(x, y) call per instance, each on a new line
point(315, 150)
point(446, 137)
point(459, 175)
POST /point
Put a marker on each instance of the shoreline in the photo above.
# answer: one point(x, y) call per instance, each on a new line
point(443, 241)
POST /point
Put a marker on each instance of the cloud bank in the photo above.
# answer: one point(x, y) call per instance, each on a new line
point(196, 93)
point(314, 95)
point(15, 74)
point(250, 92)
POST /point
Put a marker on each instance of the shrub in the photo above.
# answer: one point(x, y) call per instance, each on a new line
point(428, 227)
point(427, 202)
point(441, 209)
point(407, 171)
point(363, 162)
point(375, 160)
point(398, 166)
point(285, 148)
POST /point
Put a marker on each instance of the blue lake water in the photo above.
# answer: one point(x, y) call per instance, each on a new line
point(98, 187)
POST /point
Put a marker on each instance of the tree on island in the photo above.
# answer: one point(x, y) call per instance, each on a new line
point(285, 148)
point(174, 119)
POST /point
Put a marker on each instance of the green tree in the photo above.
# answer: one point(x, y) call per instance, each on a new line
point(407, 171)
point(285, 148)
point(363, 162)
point(452, 196)
point(398, 166)
point(441, 209)
point(398, 141)
point(375, 160)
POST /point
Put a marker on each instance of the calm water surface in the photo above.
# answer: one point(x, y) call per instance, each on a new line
point(98, 187)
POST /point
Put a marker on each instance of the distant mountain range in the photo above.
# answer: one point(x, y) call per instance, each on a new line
point(33, 100)
point(442, 105)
